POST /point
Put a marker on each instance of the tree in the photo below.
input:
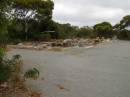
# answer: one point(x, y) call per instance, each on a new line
point(104, 29)
point(32, 11)
point(123, 28)
point(4, 9)
point(86, 32)
point(125, 22)
point(66, 30)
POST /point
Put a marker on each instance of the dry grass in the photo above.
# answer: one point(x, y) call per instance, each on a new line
point(18, 91)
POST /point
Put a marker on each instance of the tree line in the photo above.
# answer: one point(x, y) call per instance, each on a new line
point(31, 20)
point(105, 29)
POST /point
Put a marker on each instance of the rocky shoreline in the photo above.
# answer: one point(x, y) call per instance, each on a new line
point(58, 45)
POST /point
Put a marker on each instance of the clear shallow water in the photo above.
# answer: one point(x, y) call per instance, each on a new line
point(102, 71)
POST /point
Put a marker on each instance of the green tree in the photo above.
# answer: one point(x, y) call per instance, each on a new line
point(4, 9)
point(31, 11)
point(86, 32)
point(125, 22)
point(66, 30)
point(124, 34)
point(123, 28)
point(104, 30)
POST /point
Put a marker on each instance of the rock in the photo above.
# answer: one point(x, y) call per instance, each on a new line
point(108, 40)
point(20, 44)
point(44, 45)
point(67, 42)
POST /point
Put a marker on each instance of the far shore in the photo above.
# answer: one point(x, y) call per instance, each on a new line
point(59, 45)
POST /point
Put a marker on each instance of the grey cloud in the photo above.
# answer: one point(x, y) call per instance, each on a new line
point(89, 12)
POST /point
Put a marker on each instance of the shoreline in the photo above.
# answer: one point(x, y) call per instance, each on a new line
point(59, 45)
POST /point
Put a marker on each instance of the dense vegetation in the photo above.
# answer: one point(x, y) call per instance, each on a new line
point(9, 68)
point(31, 20)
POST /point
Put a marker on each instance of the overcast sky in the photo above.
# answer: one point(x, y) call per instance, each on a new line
point(90, 12)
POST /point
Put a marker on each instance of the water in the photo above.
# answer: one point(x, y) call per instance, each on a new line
point(101, 71)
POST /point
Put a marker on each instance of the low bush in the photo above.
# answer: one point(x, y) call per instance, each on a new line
point(32, 73)
point(9, 68)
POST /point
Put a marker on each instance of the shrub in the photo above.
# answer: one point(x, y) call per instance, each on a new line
point(9, 68)
point(32, 73)
point(4, 68)
point(1, 55)
point(5, 73)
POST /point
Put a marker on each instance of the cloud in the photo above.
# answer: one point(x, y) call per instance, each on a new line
point(89, 12)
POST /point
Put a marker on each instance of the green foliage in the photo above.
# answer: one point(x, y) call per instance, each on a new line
point(124, 34)
point(16, 57)
point(1, 54)
point(4, 68)
point(40, 9)
point(9, 68)
point(32, 73)
point(29, 18)
point(3, 22)
point(86, 32)
point(66, 30)
point(125, 22)
point(44, 37)
point(5, 73)
point(122, 29)
point(24, 20)
point(104, 30)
